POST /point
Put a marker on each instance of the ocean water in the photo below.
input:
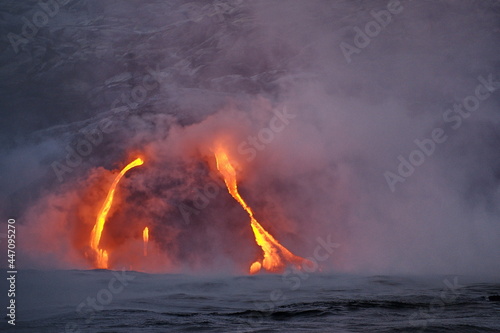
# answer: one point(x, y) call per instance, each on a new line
point(114, 301)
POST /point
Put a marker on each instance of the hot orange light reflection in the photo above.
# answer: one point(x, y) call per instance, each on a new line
point(276, 256)
point(95, 236)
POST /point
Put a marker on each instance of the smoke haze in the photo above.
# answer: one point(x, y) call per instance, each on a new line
point(313, 127)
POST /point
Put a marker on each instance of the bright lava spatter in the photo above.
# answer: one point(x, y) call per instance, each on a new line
point(95, 237)
point(276, 256)
point(145, 238)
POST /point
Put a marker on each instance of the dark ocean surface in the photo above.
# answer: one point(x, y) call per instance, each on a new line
point(99, 301)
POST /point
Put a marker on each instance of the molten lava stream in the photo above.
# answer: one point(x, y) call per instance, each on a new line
point(276, 256)
point(95, 236)
point(145, 238)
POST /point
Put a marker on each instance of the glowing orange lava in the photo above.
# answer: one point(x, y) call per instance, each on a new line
point(145, 238)
point(276, 256)
point(95, 236)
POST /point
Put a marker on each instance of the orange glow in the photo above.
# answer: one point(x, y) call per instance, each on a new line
point(276, 256)
point(145, 238)
point(95, 237)
point(255, 267)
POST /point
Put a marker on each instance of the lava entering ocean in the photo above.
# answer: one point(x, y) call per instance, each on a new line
point(276, 256)
point(102, 255)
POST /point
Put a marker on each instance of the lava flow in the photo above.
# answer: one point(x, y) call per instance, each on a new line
point(95, 237)
point(276, 256)
point(145, 238)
